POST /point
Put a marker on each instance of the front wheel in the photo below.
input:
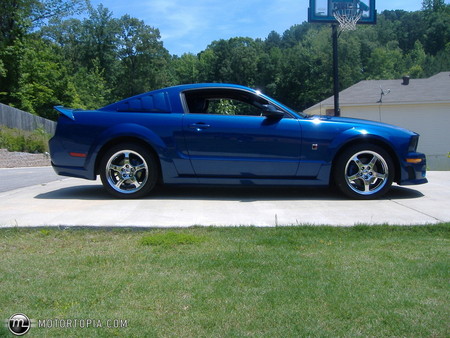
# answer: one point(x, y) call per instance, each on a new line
point(128, 171)
point(364, 171)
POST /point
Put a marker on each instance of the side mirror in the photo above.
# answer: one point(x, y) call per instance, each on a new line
point(271, 111)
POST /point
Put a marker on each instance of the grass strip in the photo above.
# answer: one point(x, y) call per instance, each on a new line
point(244, 281)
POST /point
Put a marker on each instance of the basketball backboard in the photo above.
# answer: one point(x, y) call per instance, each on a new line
point(323, 11)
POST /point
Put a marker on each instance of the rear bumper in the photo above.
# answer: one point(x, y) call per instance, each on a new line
point(66, 164)
point(78, 172)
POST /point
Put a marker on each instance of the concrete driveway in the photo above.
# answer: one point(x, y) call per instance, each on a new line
point(14, 178)
point(76, 202)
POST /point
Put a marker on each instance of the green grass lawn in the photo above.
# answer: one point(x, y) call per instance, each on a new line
point(230, 282)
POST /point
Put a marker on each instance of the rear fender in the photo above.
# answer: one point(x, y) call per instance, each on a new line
point(126, 131)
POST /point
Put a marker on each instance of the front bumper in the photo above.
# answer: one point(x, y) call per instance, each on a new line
point(413, 169)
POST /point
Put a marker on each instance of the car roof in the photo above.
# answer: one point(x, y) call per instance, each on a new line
point(159, 94)
point(184, 87)
point(158, 100)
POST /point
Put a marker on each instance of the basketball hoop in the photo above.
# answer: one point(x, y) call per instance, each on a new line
point(347, 13)
point(347, 22)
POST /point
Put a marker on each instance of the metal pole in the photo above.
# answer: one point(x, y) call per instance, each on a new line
point(337, 110)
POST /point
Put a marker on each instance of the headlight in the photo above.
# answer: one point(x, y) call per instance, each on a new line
point(413, 144)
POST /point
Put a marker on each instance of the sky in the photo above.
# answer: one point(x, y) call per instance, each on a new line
point(189, 26)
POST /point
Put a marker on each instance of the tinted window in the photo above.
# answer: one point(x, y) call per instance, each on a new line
point(224, 102)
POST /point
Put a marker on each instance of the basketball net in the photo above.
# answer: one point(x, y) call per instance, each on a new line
point(347, 18)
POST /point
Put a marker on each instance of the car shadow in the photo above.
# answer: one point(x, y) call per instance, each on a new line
point(398, 193)
point(241, 194)
point(78, 192)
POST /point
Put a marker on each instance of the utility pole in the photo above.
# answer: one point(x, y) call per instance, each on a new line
point(337, 110)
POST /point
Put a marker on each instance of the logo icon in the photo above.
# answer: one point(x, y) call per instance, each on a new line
point(19, 324)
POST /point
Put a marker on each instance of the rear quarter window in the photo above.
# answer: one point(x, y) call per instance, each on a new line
point(156, 102)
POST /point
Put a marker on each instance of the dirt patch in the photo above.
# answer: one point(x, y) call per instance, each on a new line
point(16, 159)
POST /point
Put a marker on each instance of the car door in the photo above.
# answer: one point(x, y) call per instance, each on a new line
point(232, 139)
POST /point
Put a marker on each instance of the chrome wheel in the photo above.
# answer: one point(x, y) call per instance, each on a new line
point(129, 170)
point(366, 172)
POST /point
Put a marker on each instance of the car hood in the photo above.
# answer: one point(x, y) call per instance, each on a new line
point(361, 123)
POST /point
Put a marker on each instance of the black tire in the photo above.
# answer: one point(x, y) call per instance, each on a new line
point(364, 171)
point(129, 170)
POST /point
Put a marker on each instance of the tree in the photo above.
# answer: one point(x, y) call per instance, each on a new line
point(386, 63)
point(273, 40)
point(439, 62)
point(143, 59)
point(351, 68)
point(207, 61)
point(86, 63)
point(42, 79)
point(100, 35)
point(437, 34)
point(306, 70)
point(415, 61)
point(433, 5)
point(93, 40)
point(186, 68)
point(17, 18)
point(2, 69)
point(234, 60)
point(269, 68)
point(90, 89)
point(295, 34)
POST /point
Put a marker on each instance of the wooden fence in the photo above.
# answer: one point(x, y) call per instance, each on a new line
point(16, 118)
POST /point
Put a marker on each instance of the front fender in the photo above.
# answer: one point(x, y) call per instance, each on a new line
point(361, 134)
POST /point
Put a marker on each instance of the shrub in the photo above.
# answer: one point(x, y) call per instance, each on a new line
point(25, 141)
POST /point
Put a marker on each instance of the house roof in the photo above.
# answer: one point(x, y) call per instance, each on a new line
point(435, 89)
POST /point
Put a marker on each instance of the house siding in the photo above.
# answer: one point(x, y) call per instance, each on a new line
point(422, 106)
point(431, 121)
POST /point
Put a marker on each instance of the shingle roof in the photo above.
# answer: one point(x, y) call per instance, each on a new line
point(435, 89)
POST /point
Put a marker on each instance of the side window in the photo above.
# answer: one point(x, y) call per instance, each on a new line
point(232, 107)
point(224, 102)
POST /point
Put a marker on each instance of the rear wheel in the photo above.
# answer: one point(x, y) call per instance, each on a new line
point(364, 171)
point(128, 170)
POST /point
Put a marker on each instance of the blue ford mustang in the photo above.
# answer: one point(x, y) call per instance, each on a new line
point(222, 134)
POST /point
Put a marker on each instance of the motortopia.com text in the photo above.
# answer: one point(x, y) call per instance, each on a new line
point(81, 323)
